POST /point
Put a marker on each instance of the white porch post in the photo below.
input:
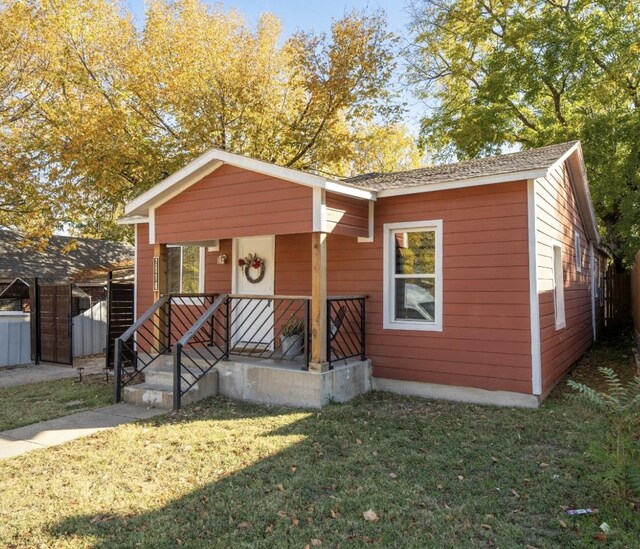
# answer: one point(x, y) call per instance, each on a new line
point(318, 362)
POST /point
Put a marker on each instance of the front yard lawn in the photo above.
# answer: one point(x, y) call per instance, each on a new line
point(383, 469)
point(36, 402)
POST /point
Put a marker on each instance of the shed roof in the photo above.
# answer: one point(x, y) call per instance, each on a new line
point(18, 260)
point(511, 163)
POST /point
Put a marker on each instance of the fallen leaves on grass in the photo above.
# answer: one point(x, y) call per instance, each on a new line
point(370, 515)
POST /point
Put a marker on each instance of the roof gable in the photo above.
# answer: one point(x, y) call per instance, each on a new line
point(213, 159)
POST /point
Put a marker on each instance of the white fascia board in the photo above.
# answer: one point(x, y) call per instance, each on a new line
point(133, 220)
point(348, 190)
point(173, 185)
point(462, 183)
point(581, 187)
point(213, 159)
point(564, 157)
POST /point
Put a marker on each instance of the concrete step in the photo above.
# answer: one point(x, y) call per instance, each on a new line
point(154, 395)
point(163, 375)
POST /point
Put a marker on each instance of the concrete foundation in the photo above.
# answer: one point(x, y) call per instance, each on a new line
point(457, 394)
point(269, 384)
point(262, 381)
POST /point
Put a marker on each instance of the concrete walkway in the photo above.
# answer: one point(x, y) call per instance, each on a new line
point(46, 371)
point(58, 431)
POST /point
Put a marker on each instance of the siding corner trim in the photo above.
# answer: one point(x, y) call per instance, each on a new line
point(534, 304)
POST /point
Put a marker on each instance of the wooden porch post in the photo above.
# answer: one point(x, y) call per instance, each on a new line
point(160, 287)
point(318, 362)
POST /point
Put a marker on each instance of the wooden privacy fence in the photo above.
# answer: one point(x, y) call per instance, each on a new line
point(617, 300)
point(90, 331)
point(635, 299)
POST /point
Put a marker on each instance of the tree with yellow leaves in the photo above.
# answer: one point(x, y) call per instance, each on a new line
point(93, 111)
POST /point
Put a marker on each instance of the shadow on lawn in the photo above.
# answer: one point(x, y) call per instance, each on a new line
point(426, 468)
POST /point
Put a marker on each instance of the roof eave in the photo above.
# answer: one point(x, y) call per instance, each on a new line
point(467, 182)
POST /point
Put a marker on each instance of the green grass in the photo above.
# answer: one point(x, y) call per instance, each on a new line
point(224, 473)
point(51, 399)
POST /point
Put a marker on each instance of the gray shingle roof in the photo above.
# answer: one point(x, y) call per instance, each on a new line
point(531, 159)
point(17, 261)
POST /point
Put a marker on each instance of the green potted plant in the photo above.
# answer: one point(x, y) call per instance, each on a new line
point(291, 338)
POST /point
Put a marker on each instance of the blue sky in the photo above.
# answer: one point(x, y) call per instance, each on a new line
point(317, 15)
point(314, 14)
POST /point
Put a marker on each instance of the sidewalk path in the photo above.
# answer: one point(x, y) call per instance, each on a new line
point(46, 371)
point(58, 431)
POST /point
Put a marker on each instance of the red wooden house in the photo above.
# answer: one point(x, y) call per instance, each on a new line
point(478, 281)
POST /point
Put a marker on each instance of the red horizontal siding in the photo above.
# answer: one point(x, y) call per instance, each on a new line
point(558, 219)
point(232, 202)
point(347, 216)
point(486, 340)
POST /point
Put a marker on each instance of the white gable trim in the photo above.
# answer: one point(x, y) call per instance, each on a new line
point(212, 160)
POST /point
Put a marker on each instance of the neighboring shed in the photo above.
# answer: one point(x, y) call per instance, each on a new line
point(85, 261)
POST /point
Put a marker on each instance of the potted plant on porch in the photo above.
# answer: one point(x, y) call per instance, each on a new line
point(291, 338)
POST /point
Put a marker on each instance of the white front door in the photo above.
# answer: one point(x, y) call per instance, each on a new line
point(252, 321)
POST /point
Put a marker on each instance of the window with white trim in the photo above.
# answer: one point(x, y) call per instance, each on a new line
point(413, 276)
point(578, 249)
point(185, 269)
point(558, 288)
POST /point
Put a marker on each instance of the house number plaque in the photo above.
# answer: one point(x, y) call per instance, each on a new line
point(156, 274)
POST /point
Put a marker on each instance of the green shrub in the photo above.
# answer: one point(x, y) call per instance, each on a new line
point(620, 407)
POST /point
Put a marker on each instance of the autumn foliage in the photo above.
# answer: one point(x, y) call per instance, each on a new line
point(95, 108)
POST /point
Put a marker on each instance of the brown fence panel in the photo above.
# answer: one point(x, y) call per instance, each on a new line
point(635, 298)
point(54, 323)
point(617, 300)
point(120, 298)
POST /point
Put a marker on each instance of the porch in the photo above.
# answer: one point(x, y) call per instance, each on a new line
point(251, 347)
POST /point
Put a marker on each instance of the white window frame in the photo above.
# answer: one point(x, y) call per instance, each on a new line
point(577, 242)
point(557, 267)
point(389, 322)
point(201, 278)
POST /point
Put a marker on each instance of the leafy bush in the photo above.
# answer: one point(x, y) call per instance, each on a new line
point(620, 407)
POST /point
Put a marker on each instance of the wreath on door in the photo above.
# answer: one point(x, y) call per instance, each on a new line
point(250, 263)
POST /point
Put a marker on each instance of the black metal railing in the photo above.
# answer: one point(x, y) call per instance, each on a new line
point(345, 328)
point(200, 330)
point(269, 327)
point(200, 349)
point(153, 335)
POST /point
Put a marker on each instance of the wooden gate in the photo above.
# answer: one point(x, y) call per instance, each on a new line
point(53, 318)
point(119, 313)
point(617, 300)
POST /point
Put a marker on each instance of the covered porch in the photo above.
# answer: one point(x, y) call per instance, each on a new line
point(231, 267)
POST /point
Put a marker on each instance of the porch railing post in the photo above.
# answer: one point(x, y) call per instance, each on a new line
point(306, 335)
point(362, 329)
point(168, 325)
point(328, 332)
point(177, 376)
point(211, 324)
point(226, 328)
point(117, 369)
